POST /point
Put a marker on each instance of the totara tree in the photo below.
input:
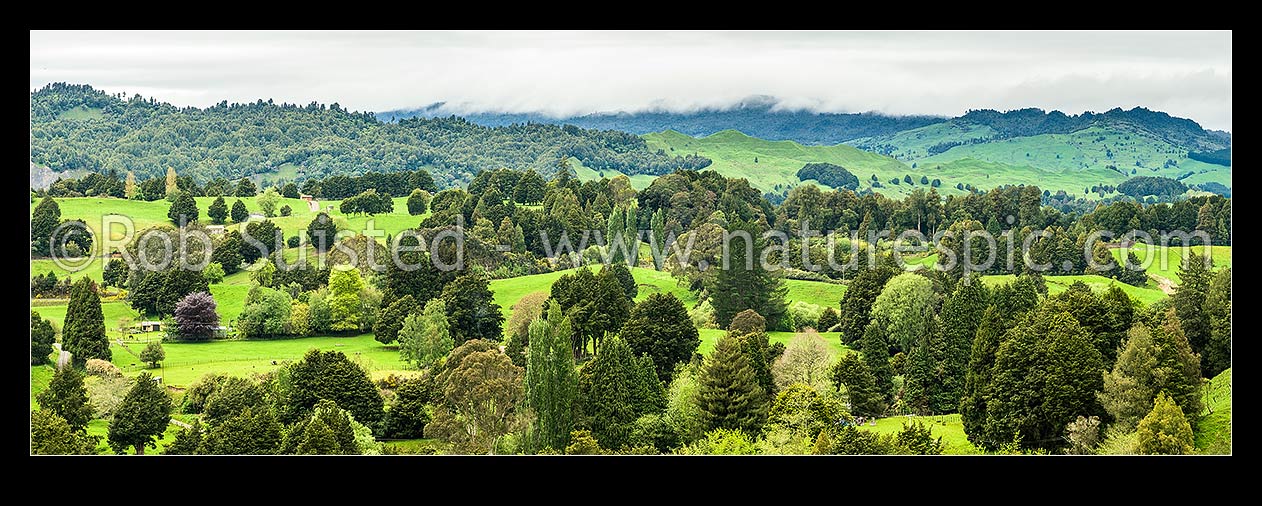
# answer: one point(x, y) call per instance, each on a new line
point(961, 313)
point(44, 220)
point(973, 400)
point(748, 326)
point(1216, 357)
point(141, 418)
point(239, 212)
point(659, 326)
point(730, 397)
point(246, 188)
point(551, 380)
point(613, 392)
point(329, 375)
point(386, 329)
point(856, 303)
point(196, 317)
point(67, 398)
point(828, 319)
point(876, 355)
point(1189, 300)
point(1046, 373)
point(227, 252)
point(218, 211)
point(42, 338)
point(852, 374)
point(83, 333)
point(743, 282)
point(1165, 430)
point(183, 210)
point(253, 431)
point(425, 337)
point(322, 232)
point(153, 354)
point(115, 273)
point(328, 431)
point(471, 309)
point(418, 202)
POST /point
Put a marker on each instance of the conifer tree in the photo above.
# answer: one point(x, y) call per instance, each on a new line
point(83, 334)
point(730, 396)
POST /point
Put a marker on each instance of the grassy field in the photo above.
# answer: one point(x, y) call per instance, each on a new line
point(41, 375)
point(710, 337)
point(186, 362)
point(1213, 431)
point(1070, 162)
point(949, 427)
point(815, 292)
point(1165, 262)
point(142, 215)
point(733, 154)
point(638, 181)
point(1146, 295)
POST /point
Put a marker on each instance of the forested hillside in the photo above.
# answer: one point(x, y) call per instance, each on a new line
point(79, 127)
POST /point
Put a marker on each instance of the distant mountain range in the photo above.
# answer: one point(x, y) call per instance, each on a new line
point(758, 117)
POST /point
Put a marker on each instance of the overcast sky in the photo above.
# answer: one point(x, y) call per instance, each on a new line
point(1187, 74)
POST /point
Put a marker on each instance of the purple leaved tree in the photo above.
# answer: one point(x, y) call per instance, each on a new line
point(195, 316)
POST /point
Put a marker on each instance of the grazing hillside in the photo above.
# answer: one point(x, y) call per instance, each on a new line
point(79, 127)
point(756, 117)
point(1093, 149)
point(772, 166)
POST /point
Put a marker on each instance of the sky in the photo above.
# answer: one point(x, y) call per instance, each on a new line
point(1186, 74)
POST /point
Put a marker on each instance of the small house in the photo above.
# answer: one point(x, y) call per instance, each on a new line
point(215, 229)
point(149, 326)
point(116, 254)
point(306, 198)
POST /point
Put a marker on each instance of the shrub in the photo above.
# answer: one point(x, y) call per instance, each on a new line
point(103, 368)
point(213, 273)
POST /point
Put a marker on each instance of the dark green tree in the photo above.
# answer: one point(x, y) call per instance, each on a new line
point(253, 431)
point(659, 326)
point(1047, 373)
point(625, 278)
point(1217, 355)
point(386, 328)
point(530, 188)
point(115, 273)
point(227, 252)
point(418, 202)
point(961, 314)
point(141, 418)
point(44, 220)
point(327, 423)
point(239, 212)
point(743, 283)
point(973, 401)
point(471, 309)
point(408, 415)
point(42, 338)
point(290, 191)
point(828, 319)
point(330, 375)
point(876, 355)
point(83, 334)
point(246, 188)
point(1189, 301)
point(322, 232)
point(218, 211)
point(856, 303)
point(232, 396)
point(852, 373)
point(730, 396)
point(183, 210)
point(610, 393)
point(67, 398)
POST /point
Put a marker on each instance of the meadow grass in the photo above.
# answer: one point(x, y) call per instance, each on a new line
point(948, 427)
point(1165, 262)
point(1146, 294)
point(1213, 430)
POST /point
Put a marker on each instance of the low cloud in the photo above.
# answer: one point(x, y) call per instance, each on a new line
point(1187, 74)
